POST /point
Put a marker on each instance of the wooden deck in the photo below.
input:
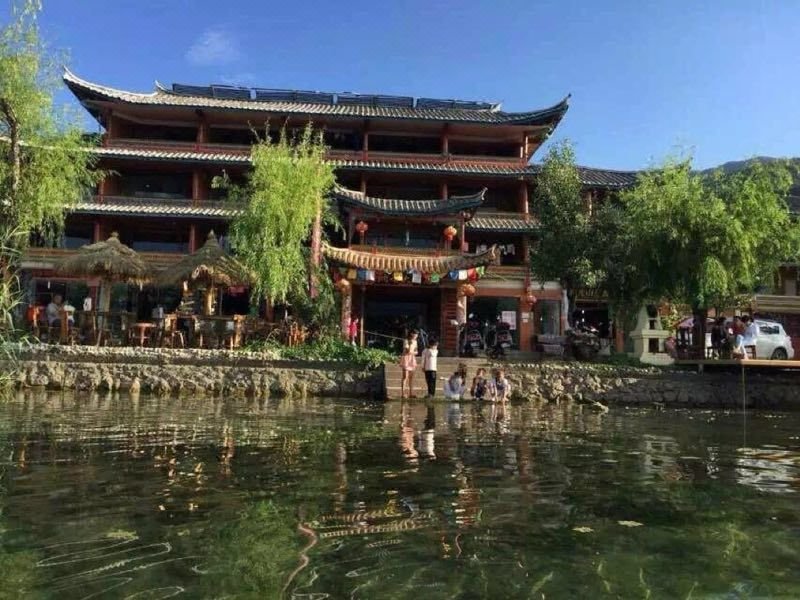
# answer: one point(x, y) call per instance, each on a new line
point(750, 363)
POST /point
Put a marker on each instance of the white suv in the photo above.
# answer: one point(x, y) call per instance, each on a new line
point(772, 341)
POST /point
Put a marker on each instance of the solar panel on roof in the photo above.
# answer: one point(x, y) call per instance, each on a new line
point(191, 90)
point(395, 101)
point(314, 97)
point(435, 103)
point(355, 99)
point(269, 95)
point(230, 92)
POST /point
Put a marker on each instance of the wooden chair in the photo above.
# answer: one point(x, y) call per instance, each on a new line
point(171, 335)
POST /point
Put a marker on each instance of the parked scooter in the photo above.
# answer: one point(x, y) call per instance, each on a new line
point(470, 339)
point(499, 340)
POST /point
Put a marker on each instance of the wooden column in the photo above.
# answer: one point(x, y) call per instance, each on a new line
point(112, 126)
point(523, 198)
point(462, 234)
point(446, 139)
point(363, 184)
point(192, 238)
point(202, 130)
point(443, 190)
point(523, 148)
point(199, 186)
point(365, 141)
point(97, 234)
point(361, 316)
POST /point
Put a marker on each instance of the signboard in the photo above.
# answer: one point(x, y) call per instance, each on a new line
point(510, 317)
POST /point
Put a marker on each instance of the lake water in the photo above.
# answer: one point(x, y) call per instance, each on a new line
point(117, 497)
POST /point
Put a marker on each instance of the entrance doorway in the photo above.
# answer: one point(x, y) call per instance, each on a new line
point(390, 313)
point(489, 309)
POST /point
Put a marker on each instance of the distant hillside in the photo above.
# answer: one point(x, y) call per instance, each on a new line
point(737, 165)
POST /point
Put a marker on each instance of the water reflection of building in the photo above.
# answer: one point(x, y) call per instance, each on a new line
point(659, 456)
point(769, 469)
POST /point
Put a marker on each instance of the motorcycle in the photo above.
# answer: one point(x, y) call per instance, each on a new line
point(499, 340)
point(470, 340)
point(584, 342)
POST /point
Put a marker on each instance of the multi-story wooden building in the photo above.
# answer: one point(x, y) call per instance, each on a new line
point(407, 170)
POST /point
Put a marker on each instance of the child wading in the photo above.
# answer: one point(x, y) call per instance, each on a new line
point(408, 363)
point(501, 388)
point(429, 358)
point(479, 385)
point(455, 386)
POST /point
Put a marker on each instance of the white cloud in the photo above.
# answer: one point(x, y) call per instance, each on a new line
point(215, 47)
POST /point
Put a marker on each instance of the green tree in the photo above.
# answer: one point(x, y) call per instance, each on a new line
point(284, 207)
point(704, 240)
point(562, 249)
point(45, 163)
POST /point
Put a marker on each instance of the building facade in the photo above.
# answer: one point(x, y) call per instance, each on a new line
point(433, 195)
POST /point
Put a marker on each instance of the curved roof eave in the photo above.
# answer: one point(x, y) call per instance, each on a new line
point(403, 207)
point(86, 90)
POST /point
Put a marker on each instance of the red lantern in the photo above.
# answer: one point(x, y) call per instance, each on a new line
point(342, 285)
point(362, 228)
point(530, 298)
point(449, 233)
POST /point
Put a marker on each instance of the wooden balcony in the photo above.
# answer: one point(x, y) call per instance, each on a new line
point(774, 303)
point(339, 155)
point(45, 259)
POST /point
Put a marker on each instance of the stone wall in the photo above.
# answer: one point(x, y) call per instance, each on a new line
point(216, 372)
point(174, 372)
point(606, 384)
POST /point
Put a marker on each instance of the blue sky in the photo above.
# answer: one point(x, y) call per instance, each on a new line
point(647, 77)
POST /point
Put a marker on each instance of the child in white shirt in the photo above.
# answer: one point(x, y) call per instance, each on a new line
point(429, 359)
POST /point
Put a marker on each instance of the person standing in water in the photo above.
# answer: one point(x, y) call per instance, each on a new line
point(408, 364)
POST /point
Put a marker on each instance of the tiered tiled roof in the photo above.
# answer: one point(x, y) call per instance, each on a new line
point(319, 104)
point(379, 261)
point(394, 206)
point(119, 205)
point(589, 176)
point(502, 223)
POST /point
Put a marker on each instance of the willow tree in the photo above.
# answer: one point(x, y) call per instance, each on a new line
point(284, 205)
point(45, 163)
point(705, 240)
point(563, 246)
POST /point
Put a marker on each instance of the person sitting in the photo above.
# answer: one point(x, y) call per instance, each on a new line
point(479, 385)
point(69, 310)
point(500, 387)
point(53, 311)
point(719, 337)
point(454, 387)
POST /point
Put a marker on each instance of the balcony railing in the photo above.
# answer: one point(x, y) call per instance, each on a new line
point(239, 149)
point(776, 303)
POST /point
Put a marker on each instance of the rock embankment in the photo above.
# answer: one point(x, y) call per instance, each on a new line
point(609, 384)
point(167, 371)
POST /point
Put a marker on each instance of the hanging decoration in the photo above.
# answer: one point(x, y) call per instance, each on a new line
point(530, 297)
point(450, 233)
point(467, 290)
point(342, 285)
point(362, 228)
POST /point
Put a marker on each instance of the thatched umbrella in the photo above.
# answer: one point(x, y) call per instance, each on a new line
point(211, 267)
point(111, 261)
